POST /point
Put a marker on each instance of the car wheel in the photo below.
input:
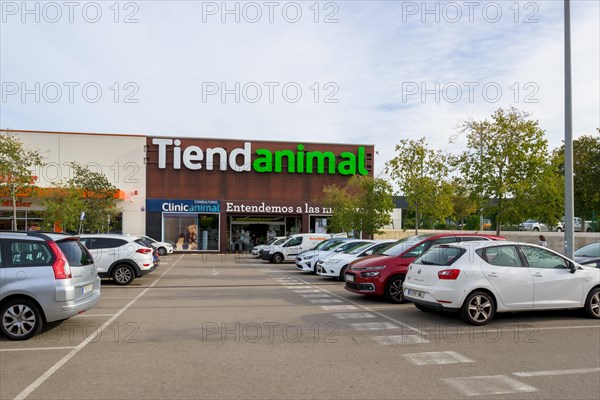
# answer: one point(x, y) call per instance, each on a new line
point(277, 258)
point(342, 273)
point(21, 319)
point(122, 274)
point(592, 304)
point(424, 308)
point(559, 230)
point(536, 229)
point(478, 308)
point(393, 290)
point(162, 251)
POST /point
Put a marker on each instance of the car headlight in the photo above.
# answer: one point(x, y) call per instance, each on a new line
point(369, 274)
point(375, 268)
point(308, 257)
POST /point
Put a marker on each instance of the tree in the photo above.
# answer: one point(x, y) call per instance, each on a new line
point(505, 158)
point(86, 191)
point(586, 169)
point(363, 205)
point(463, 203)
point(421, 173)
point(16, 164)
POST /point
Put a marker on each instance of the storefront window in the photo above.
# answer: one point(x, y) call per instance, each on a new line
point(191, 232)
point(318, 224)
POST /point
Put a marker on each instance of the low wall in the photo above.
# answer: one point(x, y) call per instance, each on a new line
point(556, 240)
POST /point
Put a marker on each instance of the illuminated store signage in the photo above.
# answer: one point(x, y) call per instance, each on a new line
point(294, 161)
point(186, 206)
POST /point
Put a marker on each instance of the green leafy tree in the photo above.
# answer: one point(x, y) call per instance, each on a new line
point(505, 158)
point(463, 203)
point(421, 173)
point(16, 170)
point(363, 205)
point(86, 191)
point(586, 169)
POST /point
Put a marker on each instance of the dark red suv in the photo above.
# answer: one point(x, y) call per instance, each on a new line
point(382, 275)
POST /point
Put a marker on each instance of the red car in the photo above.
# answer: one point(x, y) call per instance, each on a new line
point(383, 275)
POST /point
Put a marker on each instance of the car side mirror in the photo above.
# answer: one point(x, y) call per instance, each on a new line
point(572, 268)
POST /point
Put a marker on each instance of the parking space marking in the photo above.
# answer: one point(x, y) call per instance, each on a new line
point(38, 348)
point(373, 326)
point(558, 372)
point(488, 385)
point(338, 308)
point(300, 287)
point(320, 295)
point(343, 299)
point(436, 358)
point(92, 315)
point(39, 381)
point(307, 291)
point(353, 315)
point(322, 301)
point(394, 340)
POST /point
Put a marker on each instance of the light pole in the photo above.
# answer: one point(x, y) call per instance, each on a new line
point(569, 209)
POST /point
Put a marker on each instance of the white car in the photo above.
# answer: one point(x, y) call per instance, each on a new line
point(335, 264)
point(533, 225)
point(478, 279)
point(306, 261)
point(162, 247)
point(120, 257)
point(276, 240)
point(346, 245)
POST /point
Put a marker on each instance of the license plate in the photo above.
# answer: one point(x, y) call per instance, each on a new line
point(349, 278)
point(415, 293)
point(87, 288)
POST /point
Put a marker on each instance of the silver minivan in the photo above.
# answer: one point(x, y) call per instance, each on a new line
point(44, 277)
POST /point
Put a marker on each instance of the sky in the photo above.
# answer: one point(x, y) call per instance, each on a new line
point(359, 72)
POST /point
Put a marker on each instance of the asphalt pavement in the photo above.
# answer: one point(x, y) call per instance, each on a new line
point(234, 327)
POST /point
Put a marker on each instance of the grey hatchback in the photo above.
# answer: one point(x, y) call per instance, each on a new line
point(44, 277)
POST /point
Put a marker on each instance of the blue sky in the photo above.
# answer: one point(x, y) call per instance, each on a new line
point(368, 72)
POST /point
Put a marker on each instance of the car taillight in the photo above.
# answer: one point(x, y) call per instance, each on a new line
point(144, 250)
point(449, 274)
point(60, 266)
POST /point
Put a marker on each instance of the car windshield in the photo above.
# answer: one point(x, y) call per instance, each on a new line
point(589, 250)
point(440, 255)
point(349, 246)
point(358, 249)
point(402, 245)
point(149, 239)
point(329, 245)
point(278, 241)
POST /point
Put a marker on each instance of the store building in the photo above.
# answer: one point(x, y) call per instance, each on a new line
point(210, 195)
point(222, 195)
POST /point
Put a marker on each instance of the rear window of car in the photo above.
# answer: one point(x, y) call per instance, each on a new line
point(20, 253)
point(441, 255)
point(589, 250)
point(404, 244)
point(103, 243)
point(77, 255)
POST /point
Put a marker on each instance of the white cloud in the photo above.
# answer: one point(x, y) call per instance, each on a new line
point(367, 59)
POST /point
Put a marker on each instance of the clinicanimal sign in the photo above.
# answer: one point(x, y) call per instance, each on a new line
point(293, 161)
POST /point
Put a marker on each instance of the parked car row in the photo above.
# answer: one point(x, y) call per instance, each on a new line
point(473, 275)
point(536, 226)
point(47, 277)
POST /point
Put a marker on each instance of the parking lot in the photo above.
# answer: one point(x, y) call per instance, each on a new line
point(235, 327)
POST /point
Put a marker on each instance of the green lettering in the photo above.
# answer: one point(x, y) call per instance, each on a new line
point(320, 157)
point(291, 160)
point(263, 163)
point(348, 165)
point(362, 168)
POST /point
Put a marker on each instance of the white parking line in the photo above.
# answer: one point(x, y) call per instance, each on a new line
point(338, 308)
point(343, 299)
point(314, 296)
point(436, 358)
point(92, 315)
point(373, 326)
point(488, 385)
point(353, 315)
point(394, 340)
point(39, 381)
point(558, 372)
point(38, 348)
point(307, 291)
point(323, 301)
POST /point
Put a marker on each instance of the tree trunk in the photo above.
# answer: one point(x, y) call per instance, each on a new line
point(417, 219)
point(14, 207)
